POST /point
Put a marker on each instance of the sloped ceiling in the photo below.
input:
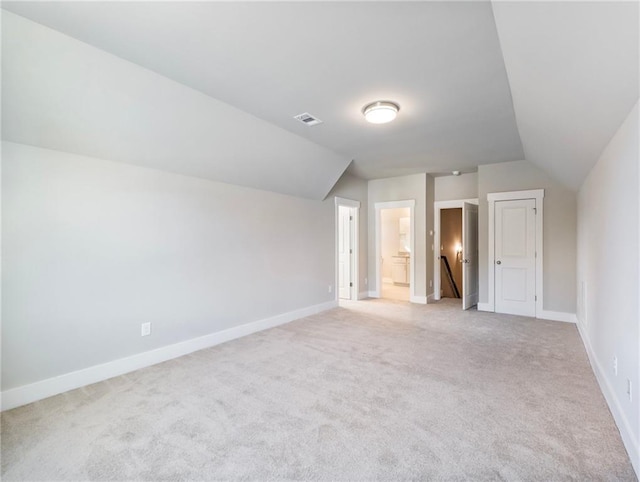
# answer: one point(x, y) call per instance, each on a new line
point(573, 71)
point(240, 71)
point(440, 61)
point(62, 94)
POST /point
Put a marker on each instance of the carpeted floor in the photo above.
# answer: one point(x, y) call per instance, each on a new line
point(375, 390)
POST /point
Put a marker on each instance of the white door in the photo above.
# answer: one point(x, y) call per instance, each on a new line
point(469, 255)
point(345, 220)
point(515, 257)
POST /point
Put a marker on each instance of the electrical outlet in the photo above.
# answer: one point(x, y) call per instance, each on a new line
point(330, 288)
point(629, 390)
point(145, 329)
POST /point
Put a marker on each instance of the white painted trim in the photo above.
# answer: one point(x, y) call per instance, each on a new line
point(431, 298)
point(513, 195)
point(374, 294)
point(69, 381)
point(437, 207)
point(538, 195)
point(363, 295)
point(387, 280)
point(628, 437)
point(484, 307)
point(557, 316)
point(411, 204)
point(418, 299)
point(355, 205)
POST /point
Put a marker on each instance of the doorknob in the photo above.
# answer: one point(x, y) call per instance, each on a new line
point(465, 260)
point(498, 262)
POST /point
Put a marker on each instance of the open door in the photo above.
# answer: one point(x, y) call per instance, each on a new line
point(345, 252)
point(469, 255)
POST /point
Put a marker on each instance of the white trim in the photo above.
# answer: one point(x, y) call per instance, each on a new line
point(18, 396)
point(363, 295)
point(484, 307)
point(411, 204)
point(418, 299)
point(374, 294)
point(437, 206)
point(431, 298)
point(355, 275)
point(387, 280)
point(628, 437)
point(538, 195)
point(557, 316)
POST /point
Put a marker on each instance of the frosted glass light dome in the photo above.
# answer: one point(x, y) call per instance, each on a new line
point(380, 112)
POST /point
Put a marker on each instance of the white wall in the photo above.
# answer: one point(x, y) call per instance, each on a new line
point(609, 272)
point(94, 248)
point(401, 189)
point(451, 188)
point(559, 242)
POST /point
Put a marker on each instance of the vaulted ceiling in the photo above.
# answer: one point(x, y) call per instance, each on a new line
point(477, 83)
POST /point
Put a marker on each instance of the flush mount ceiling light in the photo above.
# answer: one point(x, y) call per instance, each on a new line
point(455, 173)
point(380, 112)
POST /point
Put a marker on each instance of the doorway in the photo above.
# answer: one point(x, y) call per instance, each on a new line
point(347, 222)
point(394, 250)
point(456, 251)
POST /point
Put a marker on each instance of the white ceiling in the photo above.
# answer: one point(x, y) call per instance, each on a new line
point(573, 71)
point(440, 61)
point(570, 67)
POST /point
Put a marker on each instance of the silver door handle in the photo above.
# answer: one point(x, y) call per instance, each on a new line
point(465, 260)
point(498, 262)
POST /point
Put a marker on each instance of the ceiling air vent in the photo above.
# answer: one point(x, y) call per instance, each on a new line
point(308, 119)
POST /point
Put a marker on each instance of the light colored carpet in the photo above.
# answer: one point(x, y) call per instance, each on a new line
point(376, 390)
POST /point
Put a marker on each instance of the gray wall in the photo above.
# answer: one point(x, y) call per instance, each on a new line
point(401, 189)
point(451, 188)
point(609, 274)
point(93, 248)
point(354, 188)
point(559, 268)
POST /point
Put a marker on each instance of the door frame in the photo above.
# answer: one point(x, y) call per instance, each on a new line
point(411, 204)
point(355, 241)
point(538, 195)
point(437, 207)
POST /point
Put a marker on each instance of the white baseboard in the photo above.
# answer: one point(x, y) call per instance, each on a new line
point(418, 299)
point(628, 437)
point(431, 298)
point(363, 295)
point(387, 280)
point(557, 316)
point(374, 294)
point(484, 307)
point(18, 396)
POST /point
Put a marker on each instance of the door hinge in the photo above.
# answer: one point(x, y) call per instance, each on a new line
point(535, 210)
point(350, 284)
point(535, 298)
point(535, 254)
point(350, 218)
point(351, 251)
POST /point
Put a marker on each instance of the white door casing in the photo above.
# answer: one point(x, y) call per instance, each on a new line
point(469, 255)
point(437, 240)
point(411, 204)
point(515, 257)
point(344, 252)
point(351, 207)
